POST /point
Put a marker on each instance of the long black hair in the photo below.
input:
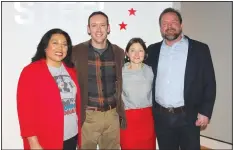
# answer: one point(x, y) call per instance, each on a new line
point(40, 53)
point(131, 42)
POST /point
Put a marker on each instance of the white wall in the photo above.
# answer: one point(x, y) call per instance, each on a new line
point(211, 22)
point(23, 25)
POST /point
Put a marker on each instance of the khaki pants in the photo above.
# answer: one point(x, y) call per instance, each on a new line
point(101, 128)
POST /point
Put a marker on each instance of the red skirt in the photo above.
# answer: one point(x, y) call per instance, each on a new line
point(140, 133)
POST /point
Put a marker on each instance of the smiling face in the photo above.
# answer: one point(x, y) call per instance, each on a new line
point(136, 53)
point(170, 26)
point(56, 50)
point(98, 28)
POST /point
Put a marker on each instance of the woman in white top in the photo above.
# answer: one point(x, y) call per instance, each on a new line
point(137, 97)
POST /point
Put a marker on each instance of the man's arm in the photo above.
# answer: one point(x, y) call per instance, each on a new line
point(209, 84)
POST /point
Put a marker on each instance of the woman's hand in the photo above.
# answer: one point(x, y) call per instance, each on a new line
point(34, 143)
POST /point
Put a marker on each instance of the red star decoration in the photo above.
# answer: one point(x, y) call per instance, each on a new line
point(122, 25)
point(132, 11)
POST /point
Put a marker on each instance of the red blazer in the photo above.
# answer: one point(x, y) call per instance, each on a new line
point(39, 105)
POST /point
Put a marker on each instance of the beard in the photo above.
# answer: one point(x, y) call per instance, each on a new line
point(171, 36)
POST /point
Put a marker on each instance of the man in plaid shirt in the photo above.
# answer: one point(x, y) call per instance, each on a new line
point(99, 71)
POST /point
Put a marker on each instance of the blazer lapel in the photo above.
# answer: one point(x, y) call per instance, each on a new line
point(190, 67)
point(154, 64)
point(156, 58)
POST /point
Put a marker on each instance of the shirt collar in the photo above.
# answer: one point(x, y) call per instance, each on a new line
point(183, 39)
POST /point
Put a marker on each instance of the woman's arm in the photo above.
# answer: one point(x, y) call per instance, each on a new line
point(26, 107)
point(34, 143)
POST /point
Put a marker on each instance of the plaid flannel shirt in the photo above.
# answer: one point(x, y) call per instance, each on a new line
point(101, 78)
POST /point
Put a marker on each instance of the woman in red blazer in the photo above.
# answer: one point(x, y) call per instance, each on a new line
point(48, 96)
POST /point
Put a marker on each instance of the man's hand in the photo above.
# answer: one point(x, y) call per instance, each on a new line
point(202, 121)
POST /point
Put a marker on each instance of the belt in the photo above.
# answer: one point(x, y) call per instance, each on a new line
point(102, 109)
point(170, 109)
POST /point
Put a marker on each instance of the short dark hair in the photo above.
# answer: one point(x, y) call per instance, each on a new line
point(98, 13)
point(43, 44)
point(131, 42)
point(170, 10)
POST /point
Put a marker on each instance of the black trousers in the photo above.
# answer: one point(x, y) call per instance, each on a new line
point(174, 132)
point(71, 143)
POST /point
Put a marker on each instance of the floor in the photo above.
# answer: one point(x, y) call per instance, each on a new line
point(205, 148)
